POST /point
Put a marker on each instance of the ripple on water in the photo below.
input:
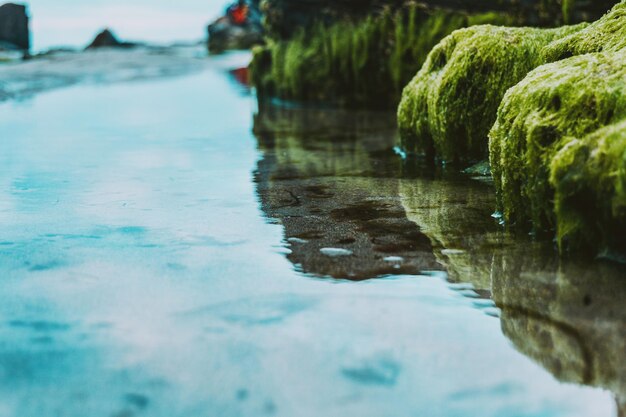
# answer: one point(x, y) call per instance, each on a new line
point(375, 371)
point(257, 311)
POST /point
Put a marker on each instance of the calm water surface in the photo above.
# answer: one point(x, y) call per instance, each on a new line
point(169, 249)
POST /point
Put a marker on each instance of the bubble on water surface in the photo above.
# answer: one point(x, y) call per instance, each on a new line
point(393, 259)
point(336, 252)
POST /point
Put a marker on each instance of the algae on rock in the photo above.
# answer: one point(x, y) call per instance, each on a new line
point(449, 107)
point(608, 34)
point(536, 129)
point(589, 179)
point(551, 171)
point(360, 64)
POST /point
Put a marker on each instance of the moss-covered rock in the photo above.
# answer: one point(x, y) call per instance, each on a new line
point(605, 35)
point(535, 133)
point(556, 166)
point(359, 64)
point(451, 104)
point(589, 179)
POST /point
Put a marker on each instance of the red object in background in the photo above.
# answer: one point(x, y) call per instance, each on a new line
point(239, 15)
point(242, 76)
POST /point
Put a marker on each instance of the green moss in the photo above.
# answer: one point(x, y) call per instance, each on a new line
point(605, 35)
point(363, 64)
point(537, 120)
point(555, 164)
point(589, 179)
point(337, 63)
point(557, 147)
point(450, 105)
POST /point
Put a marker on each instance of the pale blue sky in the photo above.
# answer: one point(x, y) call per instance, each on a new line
point(75, 22)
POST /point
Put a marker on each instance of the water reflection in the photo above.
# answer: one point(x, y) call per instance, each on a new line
point(567, 316)
point(333, 181)
point(330, 178)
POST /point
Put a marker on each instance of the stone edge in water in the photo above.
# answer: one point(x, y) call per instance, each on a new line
point(448, 107)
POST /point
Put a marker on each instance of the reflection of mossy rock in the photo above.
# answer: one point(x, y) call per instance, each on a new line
point(455, 215)
point(567, 316)
point(330, 178)
point(540, 117)
point(559, 351)
point(451, 103)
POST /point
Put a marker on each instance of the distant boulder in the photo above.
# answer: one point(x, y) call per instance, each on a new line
point(14, 33)
point(228, 32)
point(106, 39)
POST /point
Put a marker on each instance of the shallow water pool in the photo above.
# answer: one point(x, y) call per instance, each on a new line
point(164, 251)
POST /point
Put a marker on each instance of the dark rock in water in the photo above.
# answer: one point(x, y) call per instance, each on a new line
point(14, 33)
point(224, 34)
point(106, 39)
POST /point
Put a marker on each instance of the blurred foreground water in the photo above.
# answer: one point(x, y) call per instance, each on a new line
point(165, 253)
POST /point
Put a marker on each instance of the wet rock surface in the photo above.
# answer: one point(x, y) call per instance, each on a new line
point(14, 32)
